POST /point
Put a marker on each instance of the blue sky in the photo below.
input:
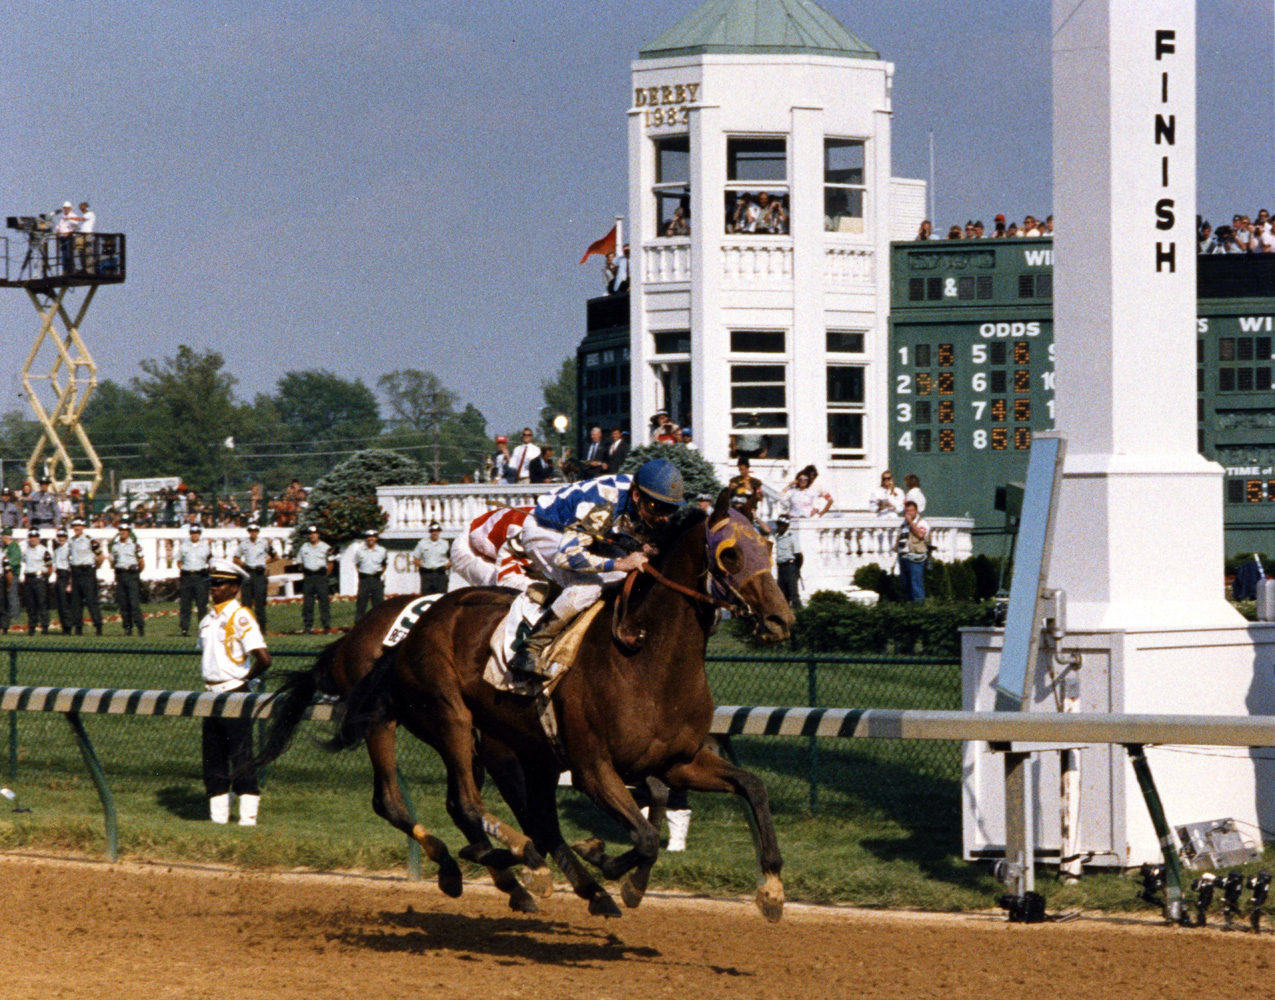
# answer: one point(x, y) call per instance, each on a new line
point(370, 186)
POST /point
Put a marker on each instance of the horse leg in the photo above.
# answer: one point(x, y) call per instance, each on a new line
point(601, 783)
point(387, 802)
point(532, 795)
point(708, 772)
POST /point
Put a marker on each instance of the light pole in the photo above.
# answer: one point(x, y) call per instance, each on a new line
point(560, 423)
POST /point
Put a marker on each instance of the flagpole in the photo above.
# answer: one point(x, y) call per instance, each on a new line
point(619, 235)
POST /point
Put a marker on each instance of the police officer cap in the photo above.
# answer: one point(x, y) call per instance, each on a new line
point(79, 521)
point(660, 479)
point(33, 533)
point(6, 492)
point(61, 533)
point(254, 527)
point(314, 528)
point(371, 533)
point(435, 526)
point(45, 480)
point(783, 518)
point(705, 498)
point(224, 571)
point(196, 529)
point(125, 523)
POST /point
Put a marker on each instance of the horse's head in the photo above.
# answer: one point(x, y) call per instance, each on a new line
point(739, 568)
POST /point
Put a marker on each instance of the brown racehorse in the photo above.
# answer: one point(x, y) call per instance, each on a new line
point(626, 712)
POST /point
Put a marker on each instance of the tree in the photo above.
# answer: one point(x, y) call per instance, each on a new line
point(343, 503)
point(421, 403)
point(190, 412)
point(116, 419)
point(697, 474)
point(560, 397)
point(18, 434)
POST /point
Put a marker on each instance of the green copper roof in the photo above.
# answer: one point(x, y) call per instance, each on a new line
point(751, 27)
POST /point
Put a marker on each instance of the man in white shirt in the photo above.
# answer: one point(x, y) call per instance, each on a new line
point(65, 225)
point(84, 240)
point(521, 457)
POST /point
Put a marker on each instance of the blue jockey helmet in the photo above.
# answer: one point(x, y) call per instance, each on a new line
point(660, 479)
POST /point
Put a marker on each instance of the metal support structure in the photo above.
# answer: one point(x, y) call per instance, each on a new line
point(99, 780)
point(1174, 909)
point(71, 379)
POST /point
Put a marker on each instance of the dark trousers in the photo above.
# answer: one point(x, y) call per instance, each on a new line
point(371, 593)
point(84, 595)
point(11, 604)
point(788, 585)
point(252, 594)
point(227, 748)
point(433, 581)
point(314, 587)
point(60, 598)
point(35, 596)
point(128, 595)
point(192, 588)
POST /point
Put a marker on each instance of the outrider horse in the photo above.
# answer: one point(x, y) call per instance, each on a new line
point(635, 705)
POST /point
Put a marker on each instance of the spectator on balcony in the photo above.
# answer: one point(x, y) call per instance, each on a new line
point(609, 271)
point(521, 457)
point(744, 218)
point(788, 560)
point(618, 450)
point(978, 229)
point(1225, 237)
point(744, 482)
point(1030, 227)
point(914, 552)
point(678, 225)
point(801, 498)
point(912, 485)
point(1243, 233)
point(968, 232)
point(657, 421)
point(620, 282)
point(771, 215)
point(543, 468)
point(1047, 227)
point(256, 502)
point(595, 454)
point(177, 512)
point(954, 233)
point(998, 227)
point(887, 499)
point(1207, 241)
point(669, 433)
point(1262, 222)
point(289, 504)
point(1263, 241)
point(749, 442)
point(500, 468)
point(1012, 230)
point(926, 232)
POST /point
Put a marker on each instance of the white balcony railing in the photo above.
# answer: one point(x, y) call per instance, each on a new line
point(666, 263)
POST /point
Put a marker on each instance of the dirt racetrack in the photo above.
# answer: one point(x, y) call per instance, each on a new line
point(86, 929)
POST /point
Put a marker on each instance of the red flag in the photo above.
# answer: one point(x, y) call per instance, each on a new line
point(603, 246)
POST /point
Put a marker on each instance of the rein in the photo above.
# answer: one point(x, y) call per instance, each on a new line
point(659, 577)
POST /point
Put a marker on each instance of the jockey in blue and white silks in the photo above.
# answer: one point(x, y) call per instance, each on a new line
point(574, 537)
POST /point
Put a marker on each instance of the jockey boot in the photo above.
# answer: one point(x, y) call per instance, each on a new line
point(219, 808)
point(547, 629)
point(248, 805)
point(679, 822)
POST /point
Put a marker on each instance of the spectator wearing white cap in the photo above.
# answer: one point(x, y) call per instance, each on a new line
point(233, 655)
point(194, 555)
point(315, 556)
point(432, 559)
point(84, 556)
point(66, 223)
point(253, 554)
point(370, 560)
point(128, 563)
point(60, 585)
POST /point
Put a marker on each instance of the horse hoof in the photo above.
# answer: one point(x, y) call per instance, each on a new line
point(592, 850)
point(602, 905)
point(450, 882)
point(521, 901)
point(770, 899)
point(539, 881)
point(630, 893)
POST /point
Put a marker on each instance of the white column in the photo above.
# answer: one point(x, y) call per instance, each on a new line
point(710, 343)
point(807, 404)
point(1139, 540)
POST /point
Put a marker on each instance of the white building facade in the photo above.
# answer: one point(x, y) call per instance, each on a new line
point(761, 207)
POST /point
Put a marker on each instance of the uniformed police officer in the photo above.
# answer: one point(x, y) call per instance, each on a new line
point(37, 567)
point(432, 558)
point(60, 585)
point(234, 655)
point(370, 560)
point(10, 509)
point(128, 562)
point(193, 557)
point(315, 556)
point(10, 605)
point(254, 553)
point(46, 512)
point(84, 555)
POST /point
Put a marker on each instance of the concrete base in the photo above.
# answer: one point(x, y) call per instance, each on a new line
point(1228, 670)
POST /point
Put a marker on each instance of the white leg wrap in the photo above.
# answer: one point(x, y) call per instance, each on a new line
point(679, 822)
point(248, 805)
point(219, 808)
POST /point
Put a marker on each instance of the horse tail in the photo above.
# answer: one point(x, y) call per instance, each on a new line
point(365, 705)
point(290, 703)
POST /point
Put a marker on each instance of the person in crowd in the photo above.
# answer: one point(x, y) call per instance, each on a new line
point(128, 562)
point(1047, 227)
point(1208, 243)
point(45, 512)
point(954, 233)
point(788, 562)
point(11, 606)
point(289, 504)
point(744, 219)
point(926, 232)
point(998, 227)
point(1263, 240)
point(912, 491)
point(617, 451)
point(233, 657)
point(913, 551)
point(84, 244)
point(968, 232)
point(1011, 231)
point(37, 570)
point(252, 556)
point(978, 229)
point(84, 555)
point(1030, 228)
point(543, 466)
point(432, 559)
point(657, 422)
point(194, 555)
point(370, 560)
point(748, 441)
point(569, 467)
point(802, 499)
point(771, 215)
point(11, 512)
point(1225, 237)
point(887, 499)
point(744, 481)
point(688, 438)
point(679, 225)
point(256, 501)
point(520, 458)
point(500, 467)
point(66, 223)
point(594, 462)
point(705, 501)
point(620, 283)
point(1263, 221)
point(177, 513)
point(746, 503)
point(669, 433)
point(1243, 233)
point(315, 556)
point(608, 272)
point(59, 596)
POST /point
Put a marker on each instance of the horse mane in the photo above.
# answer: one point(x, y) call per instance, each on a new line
point(667, 535)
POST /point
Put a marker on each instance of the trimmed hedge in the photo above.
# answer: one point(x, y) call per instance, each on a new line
point(974, 579)
point(832, 623)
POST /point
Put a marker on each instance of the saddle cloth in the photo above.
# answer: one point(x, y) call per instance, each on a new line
point(409, 617)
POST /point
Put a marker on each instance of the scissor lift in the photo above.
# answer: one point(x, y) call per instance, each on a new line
point(59, 375)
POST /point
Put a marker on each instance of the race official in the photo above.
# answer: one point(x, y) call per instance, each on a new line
point(128, 562)
point(10, 510)
point(788, 559)
point(254, 552)
point(10, 601)
point(37, 568)
point(60, 585)
point(84, 555)
point(194, 555)
point(370, 560)
point(315, 556)
point(234, 655)
point(432, 559)
point(46, 512)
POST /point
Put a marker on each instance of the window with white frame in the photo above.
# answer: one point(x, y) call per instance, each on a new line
point(673, 186)
point(846, 411)
point(757, 185)
point(844, 190)
point(759, 394)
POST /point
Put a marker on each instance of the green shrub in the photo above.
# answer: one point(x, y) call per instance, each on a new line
point(832, 623)
point(343, 503)
point(697, 474)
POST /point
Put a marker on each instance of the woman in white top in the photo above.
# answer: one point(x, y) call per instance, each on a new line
point(801, 499)
point(912, 484)
point(887, 499)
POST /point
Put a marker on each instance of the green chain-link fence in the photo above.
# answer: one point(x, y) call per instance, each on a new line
point(912, 781)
